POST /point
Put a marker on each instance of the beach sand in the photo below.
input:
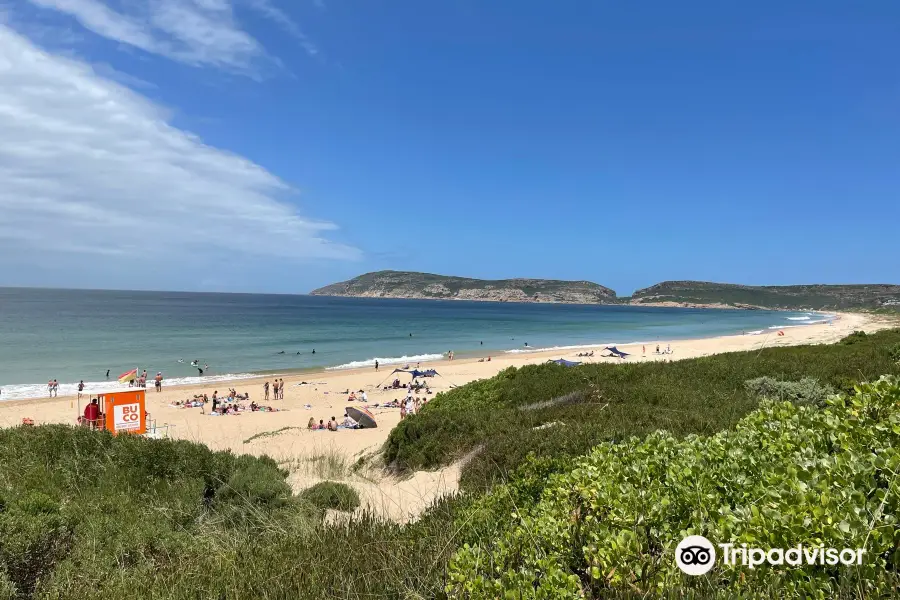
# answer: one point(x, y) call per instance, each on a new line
point(312, 456)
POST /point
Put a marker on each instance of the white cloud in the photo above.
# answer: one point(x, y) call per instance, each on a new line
point(195, 32)
point(90, 168)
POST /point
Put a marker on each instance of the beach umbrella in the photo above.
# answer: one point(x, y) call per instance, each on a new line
point(129, 376)
point(565, 363)
point(362, 416)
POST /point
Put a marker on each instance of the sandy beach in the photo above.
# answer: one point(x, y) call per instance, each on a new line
point(315, 455)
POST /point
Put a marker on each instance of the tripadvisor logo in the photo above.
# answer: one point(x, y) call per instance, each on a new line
point(696, 555)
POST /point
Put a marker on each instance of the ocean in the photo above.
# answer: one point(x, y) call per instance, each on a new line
point(73, 335)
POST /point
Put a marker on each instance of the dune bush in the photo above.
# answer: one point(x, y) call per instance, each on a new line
point(806, 391)
point(785, 475)
point(331, 494)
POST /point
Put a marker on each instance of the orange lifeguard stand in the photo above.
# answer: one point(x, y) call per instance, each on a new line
point(123, 412)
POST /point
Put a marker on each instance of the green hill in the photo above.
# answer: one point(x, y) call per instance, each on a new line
point(406, 284)
point(814, 297)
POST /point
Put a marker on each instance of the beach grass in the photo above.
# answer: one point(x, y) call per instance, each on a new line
point(266, 434)
point(328, 463)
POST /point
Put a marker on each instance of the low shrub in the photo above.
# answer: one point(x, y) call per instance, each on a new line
point(331, 494)
point(894, 352)
point(255, 483)
point(854, 338)
point(785, 475)
point(806, 391)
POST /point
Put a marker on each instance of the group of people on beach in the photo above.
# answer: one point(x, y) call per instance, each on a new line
point(412, 405)
point(277, 389)
point(332, 425)
point(53, 388)
point(227, 405)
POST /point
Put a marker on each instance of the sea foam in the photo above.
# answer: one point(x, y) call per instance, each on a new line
point(560, 348)
point(393, 360)
point(39, 390)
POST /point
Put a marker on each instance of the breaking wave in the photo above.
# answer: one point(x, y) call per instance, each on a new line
point(393, 360)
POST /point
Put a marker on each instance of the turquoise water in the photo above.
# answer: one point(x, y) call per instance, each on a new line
point(71, 335)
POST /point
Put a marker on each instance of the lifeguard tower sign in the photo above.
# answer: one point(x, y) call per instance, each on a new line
point(125, 412)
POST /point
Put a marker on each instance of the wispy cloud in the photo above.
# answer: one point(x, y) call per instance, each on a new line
point(88, 166)
point(278, 16)
point(195, 32)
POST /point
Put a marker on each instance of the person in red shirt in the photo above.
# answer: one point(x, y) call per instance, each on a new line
point(92, 414)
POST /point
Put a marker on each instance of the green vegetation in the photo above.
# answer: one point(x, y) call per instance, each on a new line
point(854, 338)
point(702, 395)
point(266, 434)
point(329, 494)
point(405, 284)
point(84, 515)
point(806, 391)
point(814, 297)
point(785, 475)
point(894, 352)
point(597, 504)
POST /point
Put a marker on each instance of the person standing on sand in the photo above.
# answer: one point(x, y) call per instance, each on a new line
point(376, 365)
point(158, 382)
point(50, 387)
point(80, 388)
point(266, 389)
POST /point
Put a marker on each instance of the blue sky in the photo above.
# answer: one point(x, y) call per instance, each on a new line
point(266, 145)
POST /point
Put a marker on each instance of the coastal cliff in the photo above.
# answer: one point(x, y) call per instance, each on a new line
point(405, 284)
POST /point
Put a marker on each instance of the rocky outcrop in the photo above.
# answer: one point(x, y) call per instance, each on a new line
point(402, 284)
